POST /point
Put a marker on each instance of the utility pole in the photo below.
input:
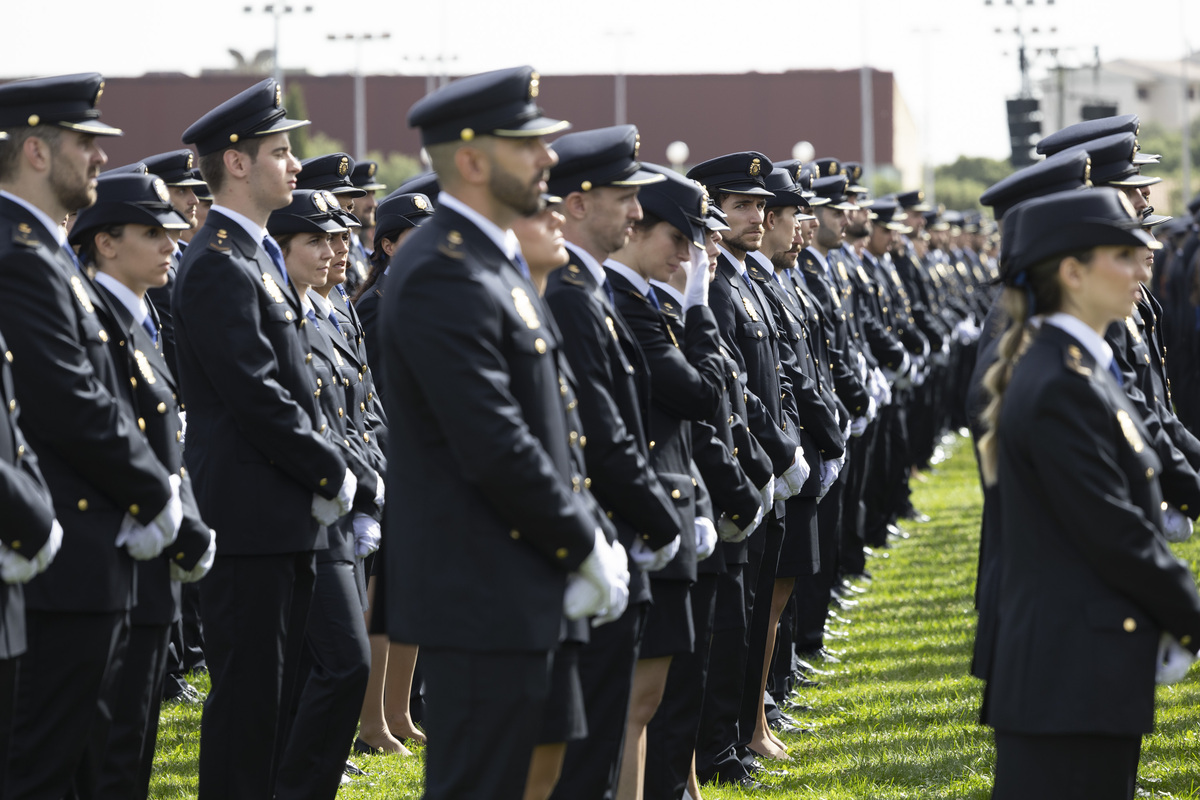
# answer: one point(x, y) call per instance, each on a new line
point(277, 12)
point(360, 86)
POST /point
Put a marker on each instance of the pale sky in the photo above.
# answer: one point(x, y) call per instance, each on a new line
point(953, 69)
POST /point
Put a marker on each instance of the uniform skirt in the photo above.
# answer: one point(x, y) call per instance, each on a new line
point(670, 629)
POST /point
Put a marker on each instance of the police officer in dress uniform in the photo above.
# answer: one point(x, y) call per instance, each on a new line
point(124, 236)
point(363, 176)
point(266, 475)
point(598, 176)
point(495, 541)
point(27, 545)
point(112, 496)
point(1085, 566)
point(333, 173)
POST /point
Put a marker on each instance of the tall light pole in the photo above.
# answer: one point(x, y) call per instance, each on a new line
point(619, 97)
point(437, 74)
point(277, 12)
point(360, 85)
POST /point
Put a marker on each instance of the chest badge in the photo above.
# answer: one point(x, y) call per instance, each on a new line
point(81, 295)
point(144, 366)
point(750, 309)
point(1130, 431)
point(525, 309)
point(272, 287)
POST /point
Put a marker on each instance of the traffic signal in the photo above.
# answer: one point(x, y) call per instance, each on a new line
point(1024, 129)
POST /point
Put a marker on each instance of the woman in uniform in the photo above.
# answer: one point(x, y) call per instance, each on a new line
point(1092, 604)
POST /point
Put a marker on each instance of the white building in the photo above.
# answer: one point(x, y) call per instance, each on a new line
point(1154, 90)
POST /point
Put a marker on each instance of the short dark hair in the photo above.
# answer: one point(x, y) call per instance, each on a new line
point(212, 166)
point(10, 149)
point(649, 220)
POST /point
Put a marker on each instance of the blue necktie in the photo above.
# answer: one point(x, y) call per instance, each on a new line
point(312, 317)
point(272, 248)
point(148, 324)
point(74, 258)
point(333, 319)
point(519, 260)
point(653, 298)
point(607, 287)
point(1116, 372)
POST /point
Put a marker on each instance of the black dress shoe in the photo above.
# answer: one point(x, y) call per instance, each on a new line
point(779, 726)
point(353, 771)
point(756, 768)
point(364, 749)
point(809, 669)
point(795, 707)
point(849, 586)
point(803, 681)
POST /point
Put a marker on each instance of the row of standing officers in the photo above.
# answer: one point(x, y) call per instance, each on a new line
point(682, 409)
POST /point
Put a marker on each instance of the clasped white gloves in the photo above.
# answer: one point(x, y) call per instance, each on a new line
point(648, 560)
point(16, 568)
point(144, 542)
point(327, 512)
point(202, 566)
point(767, 493)
point(695, 291)
point(182, 428)
point(1176, 526)
point(706, 538)
point(601, 586)
point(880, 390)
point(830, 469)
point(729, 531)
point(366, 535)
point(861, 364)
point(380, 491)
point(1174, 660)
point(793, 477)
point(966, 331)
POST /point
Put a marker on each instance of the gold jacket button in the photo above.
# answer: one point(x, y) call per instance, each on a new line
point(162, 408)
point(141, 424)
point(651, 445)
point(675, 493)
point(16, 545)
point(1185, 640)
point(539, 345)
point(134, 510)
point(12, 405)
point(323, 482)
point(179, 556)
point(561, 553)
point(1129, 625)
point(514, 533)
point(82, 505)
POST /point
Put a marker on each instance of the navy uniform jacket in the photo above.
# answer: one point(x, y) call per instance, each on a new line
point(155, 397)
point(160, 296)
point(254, 450)
point(839, 337)
point(614, 401)
point(487, 513)
point(686, 384)
point(25, 506)
point(95, 461)
point(716, 455)
point(820, 334)
point(819, 431)
point(367, 308)
point(1087, 581)
point(353, 346)
point(744, 321)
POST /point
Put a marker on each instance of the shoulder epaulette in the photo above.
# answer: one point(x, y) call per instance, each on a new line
point(570, 274)
point(1073, 358)
point(24, 235)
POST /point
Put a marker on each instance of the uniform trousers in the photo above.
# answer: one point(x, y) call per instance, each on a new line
point(255, 609)
point(858, 463)
point(1071, 767)
point(814, 595)
point(592, 766)
point(8, 701)
point(716, 740)
point(483, 712)
point(129, 757)
point(671, 734)
point(335, 664)
point(64, 689)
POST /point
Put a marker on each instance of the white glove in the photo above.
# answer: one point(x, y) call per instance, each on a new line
point(880, 391)
point(847, 430)
point(767, 493)
point(942, 357)
point(858, 426)
point(1174, 660)
point(202, 566)
point(729, 531)
point(366, 535)
point(794, 476)
point(919, 371)
point(327, 512)
point(1176, 526)
point(706, 538)
point(598, 585)
point(648, 560)
point(380, 491)
point(695, 291)
point(619, 561)
point(830, 470)
point(182, 427)
point(861, 364)
point(872, 409)
point(16, 568)
point(171, 517)
point(902, 368)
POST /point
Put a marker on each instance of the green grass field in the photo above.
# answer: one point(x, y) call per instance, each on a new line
point(897, 719)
